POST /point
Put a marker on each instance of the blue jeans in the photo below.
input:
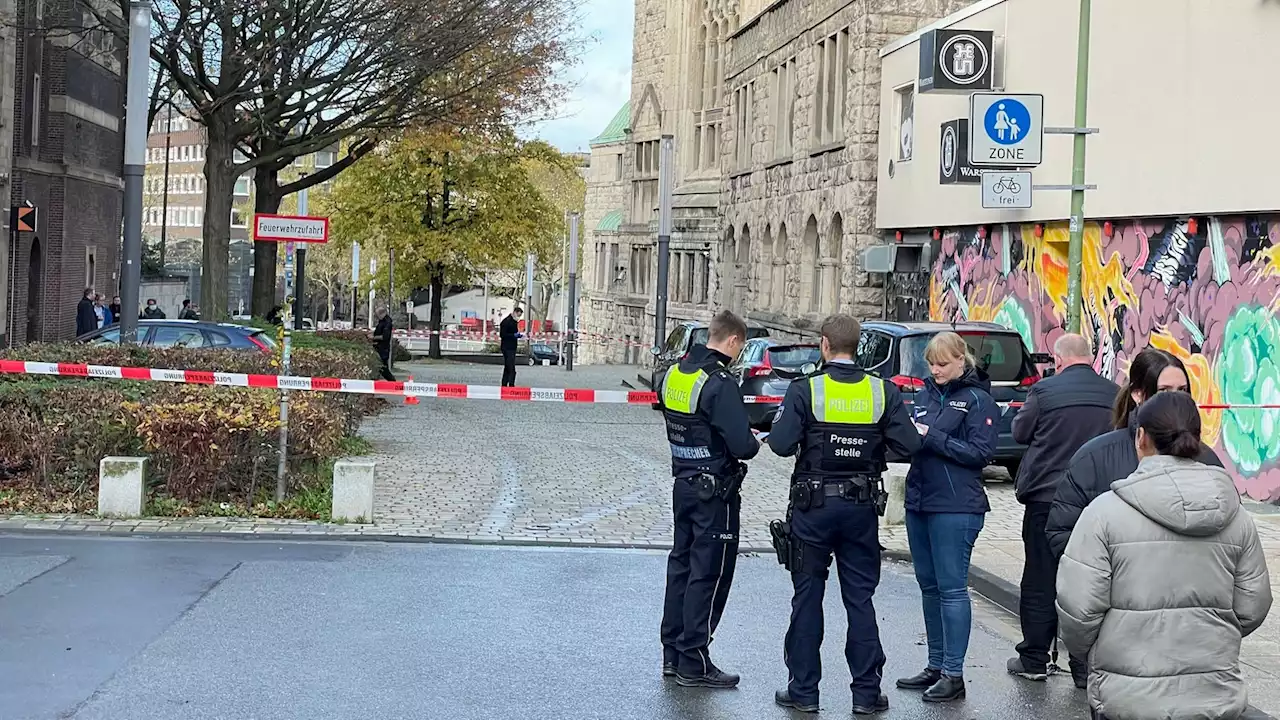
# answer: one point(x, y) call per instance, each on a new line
point(941, 544)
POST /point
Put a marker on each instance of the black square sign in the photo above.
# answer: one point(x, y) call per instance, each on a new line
point(957, 60)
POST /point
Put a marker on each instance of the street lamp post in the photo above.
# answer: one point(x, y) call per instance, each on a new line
point(135, 160)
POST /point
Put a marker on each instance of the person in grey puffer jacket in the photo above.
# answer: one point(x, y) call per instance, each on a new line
point(1161, 579)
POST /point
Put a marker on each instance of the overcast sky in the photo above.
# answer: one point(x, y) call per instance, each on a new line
point(601, 80)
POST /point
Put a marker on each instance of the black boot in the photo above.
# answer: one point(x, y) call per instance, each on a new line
point(783, 698)
point(921, 681)
point(880, 705)
point(670, 658)
point(945, 690)
point(1018, 666)
point(713, 678)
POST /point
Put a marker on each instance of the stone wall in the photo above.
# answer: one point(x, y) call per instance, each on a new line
point(807, 200)
point(817, 193)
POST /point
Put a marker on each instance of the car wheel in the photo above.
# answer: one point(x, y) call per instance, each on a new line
point(532, 361)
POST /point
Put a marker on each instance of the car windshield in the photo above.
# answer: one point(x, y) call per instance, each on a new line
point(1001, 355)
point(794, 356)
point(540, 347)
point(700, 335)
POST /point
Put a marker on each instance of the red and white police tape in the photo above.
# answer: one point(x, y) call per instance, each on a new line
point(383, 387)
point(342, 385)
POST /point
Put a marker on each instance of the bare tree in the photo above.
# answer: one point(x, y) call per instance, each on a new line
point(284, 79)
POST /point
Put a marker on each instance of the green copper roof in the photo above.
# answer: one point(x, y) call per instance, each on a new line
point(611, 222)
point(614, 132)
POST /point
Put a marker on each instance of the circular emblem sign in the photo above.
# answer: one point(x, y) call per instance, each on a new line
point(949, 151)
point(963, 59)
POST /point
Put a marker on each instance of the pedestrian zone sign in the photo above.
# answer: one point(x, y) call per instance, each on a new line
point(1006, 130)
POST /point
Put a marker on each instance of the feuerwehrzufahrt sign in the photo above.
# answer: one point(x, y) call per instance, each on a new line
point(290, 228)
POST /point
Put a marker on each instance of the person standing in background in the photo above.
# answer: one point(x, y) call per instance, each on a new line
point(86, 318)
point(382, 341)
point(153, 311)
point(115, 309)
point(1061, 414)
point(508, 333)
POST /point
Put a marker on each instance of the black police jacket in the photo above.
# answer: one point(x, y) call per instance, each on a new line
point(1060, 415)
point(508, 329)
point(718, 434)
point(1098, 463)
point(794, 430)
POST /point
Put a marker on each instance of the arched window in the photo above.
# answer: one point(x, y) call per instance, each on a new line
point(810, 268)
point(832, 257)
point(778, 260)
point(764, 267)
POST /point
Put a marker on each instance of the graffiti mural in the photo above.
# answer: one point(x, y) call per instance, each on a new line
point(1206, 290)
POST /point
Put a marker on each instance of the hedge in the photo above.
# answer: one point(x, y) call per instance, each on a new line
point(209, 447)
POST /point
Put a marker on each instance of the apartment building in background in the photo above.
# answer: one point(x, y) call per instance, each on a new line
point(173, 211)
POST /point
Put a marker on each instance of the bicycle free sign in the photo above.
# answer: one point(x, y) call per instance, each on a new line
point(1006, 190)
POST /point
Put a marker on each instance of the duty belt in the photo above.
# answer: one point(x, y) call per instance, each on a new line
point(806, 494)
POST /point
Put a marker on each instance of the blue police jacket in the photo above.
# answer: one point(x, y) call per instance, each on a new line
point(964, 426)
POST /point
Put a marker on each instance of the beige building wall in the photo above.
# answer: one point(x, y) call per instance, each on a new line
point(1181, 93)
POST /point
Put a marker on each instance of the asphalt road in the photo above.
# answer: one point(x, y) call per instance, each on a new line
point(96, 628)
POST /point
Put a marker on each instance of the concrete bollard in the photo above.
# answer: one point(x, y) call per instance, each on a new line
point(353, 490)
point(122, 483)
point(895, 483)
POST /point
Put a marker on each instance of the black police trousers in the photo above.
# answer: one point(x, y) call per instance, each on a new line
point(850, 531)
point(699, 573)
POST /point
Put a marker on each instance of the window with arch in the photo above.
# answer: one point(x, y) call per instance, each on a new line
point(764, 266)
point(778, 269)
point(714, 22)
point(832, 251)
point(810, 267)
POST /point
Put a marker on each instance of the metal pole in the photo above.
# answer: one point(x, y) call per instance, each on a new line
point(373, 269)
point(135, 162)
point(666, 169)
point(355, 281)
point(573, 292)
point(528, 305)
point(164, 204)
point(285, 354)
point(564, 269)
point(1075, 251)
point(298, 323)
point(391, 300)
point(484, 319)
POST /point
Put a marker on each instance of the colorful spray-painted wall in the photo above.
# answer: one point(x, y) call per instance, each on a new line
point(1206, 291)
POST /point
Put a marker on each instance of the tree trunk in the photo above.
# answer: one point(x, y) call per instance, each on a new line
point(437, 310)
point(266, 200)
point(219, 187)
point(329, 288)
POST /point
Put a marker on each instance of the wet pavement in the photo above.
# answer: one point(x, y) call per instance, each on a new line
point(96, 628)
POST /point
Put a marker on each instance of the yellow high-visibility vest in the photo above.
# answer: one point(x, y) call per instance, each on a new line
point(841, 403)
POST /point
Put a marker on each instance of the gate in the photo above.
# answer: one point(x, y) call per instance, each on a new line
point(908, 294)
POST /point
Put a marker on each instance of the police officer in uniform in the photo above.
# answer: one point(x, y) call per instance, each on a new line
point(710, 435)
point(841, 424)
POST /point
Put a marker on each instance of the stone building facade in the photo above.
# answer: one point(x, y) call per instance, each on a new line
point(775, 114)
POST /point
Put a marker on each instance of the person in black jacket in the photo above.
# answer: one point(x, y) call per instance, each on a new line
point(1060, 415)
point(947, 505)
point(86, 318)
point(508, 333)
point(382, 342)
point(1114, 456)
point(710, 436)
point(841, 424)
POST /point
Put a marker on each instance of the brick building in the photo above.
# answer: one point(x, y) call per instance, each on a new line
point(67, 161)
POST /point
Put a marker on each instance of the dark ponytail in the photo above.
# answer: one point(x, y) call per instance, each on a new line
point(1144, 378)
point(1172, 421)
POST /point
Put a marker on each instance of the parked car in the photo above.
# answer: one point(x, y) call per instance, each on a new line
point(682, 338)
point(895, 351)
point(542, 352)
point(766, 367)
point(188, 334)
